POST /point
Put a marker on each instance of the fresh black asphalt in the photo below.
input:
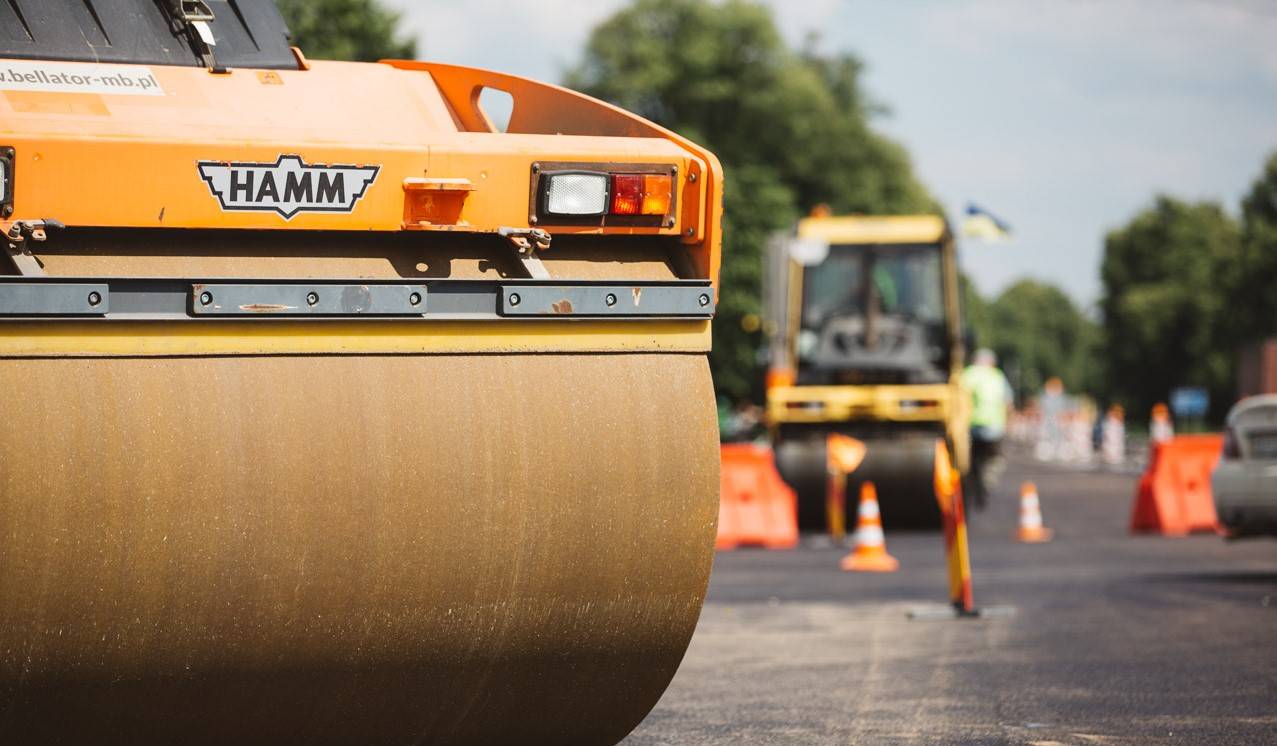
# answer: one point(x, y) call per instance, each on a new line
point(1113, 639)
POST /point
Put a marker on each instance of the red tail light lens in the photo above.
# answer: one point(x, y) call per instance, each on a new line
point(627, 194)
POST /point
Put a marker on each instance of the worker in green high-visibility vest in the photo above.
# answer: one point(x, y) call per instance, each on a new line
point(991, 401)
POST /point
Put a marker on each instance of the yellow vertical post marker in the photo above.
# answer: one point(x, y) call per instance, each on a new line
point(843, 455)
point(836, 506)
point(948, 483)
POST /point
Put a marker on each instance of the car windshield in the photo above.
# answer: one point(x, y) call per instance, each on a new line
point(906, 282)
point(1257, 424)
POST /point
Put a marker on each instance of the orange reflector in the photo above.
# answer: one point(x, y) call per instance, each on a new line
point(657, 189)
point(627, 194)
point(779, 377)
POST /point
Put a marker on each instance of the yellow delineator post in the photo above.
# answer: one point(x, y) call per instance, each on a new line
point(949, 494)
point(843, 455)
point(948, 482)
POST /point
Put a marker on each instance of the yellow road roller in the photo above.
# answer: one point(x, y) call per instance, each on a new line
point(866, 340)
point(333, 412)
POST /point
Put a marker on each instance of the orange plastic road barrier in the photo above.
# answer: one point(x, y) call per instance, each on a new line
point(948, 483)
point(843, 455)
point(870, 554)
point(1174, 495)
point(755, 505)
point(1031, 529)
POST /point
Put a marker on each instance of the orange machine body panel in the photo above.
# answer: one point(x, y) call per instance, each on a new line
point(79, 155)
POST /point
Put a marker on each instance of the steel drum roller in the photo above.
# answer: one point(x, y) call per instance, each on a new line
point(389, 549)
point(902, 470)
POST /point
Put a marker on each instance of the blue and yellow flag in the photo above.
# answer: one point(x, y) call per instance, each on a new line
point(982, 224)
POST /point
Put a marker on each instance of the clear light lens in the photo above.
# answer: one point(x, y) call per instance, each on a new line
point(576, 194)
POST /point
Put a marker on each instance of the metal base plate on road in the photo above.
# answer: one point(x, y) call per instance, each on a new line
point(944, 612)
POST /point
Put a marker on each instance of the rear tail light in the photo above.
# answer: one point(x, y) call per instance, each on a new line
point(914, 405)
point(642, 194)
point(779, 378)
point(658, 193)
point(627, 194)
point(572, 194)
point(805, 406)
point(1232, 449)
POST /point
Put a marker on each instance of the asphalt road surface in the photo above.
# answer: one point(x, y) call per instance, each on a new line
point(1114, 639)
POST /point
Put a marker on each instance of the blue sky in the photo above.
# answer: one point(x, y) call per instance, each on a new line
point(1063, 118)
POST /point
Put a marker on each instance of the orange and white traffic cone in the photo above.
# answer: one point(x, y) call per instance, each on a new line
point(870, 554)
point(1031, 529)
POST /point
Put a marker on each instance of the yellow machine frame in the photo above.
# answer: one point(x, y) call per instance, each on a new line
point(791, 403)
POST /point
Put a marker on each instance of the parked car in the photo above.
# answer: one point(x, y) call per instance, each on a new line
point(1245, 482)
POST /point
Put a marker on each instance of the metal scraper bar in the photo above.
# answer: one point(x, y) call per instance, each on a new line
point(54, 299)
point(144, 299)
point(307, 300)
point(606, 300)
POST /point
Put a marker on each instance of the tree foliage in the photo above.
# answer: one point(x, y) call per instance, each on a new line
point(1184, 288)
point(975, 313)
point(1169, 315)
point(1254, 281)
point(790, 126)
point(358, 30)
point(1039, 333)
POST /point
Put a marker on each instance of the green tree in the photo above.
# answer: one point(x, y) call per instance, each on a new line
point(791, 128)
point(1254, 282)
point(1168, 310)
point(975, 314)
point(1038, 333)
point(358, 30)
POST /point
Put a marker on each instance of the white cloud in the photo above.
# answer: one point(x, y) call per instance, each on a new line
point(536, 39)
point(1062, 117)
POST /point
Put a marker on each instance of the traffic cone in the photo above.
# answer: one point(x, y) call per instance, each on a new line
point(1031, 529)
point(870, 554)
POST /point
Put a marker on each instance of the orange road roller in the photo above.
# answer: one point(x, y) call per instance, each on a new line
point(333, 412)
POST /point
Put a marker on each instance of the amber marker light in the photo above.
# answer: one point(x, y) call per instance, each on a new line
point(657, 192)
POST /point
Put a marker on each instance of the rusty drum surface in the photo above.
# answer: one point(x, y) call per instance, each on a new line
point(350, 549)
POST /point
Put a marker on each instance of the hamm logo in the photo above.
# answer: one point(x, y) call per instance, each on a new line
point(287, 186)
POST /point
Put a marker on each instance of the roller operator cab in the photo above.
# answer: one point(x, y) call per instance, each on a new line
point(865, 340)
point(333, 412)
